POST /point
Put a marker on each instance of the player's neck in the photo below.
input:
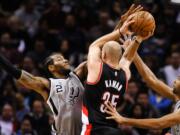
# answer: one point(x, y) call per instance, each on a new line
point(57, 75)
point(114, 65)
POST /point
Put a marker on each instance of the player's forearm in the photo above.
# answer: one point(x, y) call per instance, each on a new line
point(131, 50)
point(101, 41)
point(142, 68)
point(9, 68)
point(152, 81)
point(144, 123)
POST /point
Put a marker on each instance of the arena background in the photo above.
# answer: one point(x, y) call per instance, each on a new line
point(30, 30)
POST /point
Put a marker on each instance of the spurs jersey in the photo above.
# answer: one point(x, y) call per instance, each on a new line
point(110, 87)
point(175, 130)
point(65, 101)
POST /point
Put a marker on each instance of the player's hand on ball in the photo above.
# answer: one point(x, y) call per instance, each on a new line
point(124, 17)
point(133, 9)
point(114, 115)
point(125, 41)
point(125, 27)
point(141, 38)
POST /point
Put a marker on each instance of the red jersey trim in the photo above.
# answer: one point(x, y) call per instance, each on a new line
point(88, 129)
point(99, 76)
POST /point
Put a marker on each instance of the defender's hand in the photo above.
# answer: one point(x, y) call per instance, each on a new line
point(124, 17)
point(114, 115)
point(141, 38)
point(125, 27)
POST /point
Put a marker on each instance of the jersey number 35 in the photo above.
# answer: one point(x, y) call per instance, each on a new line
point(108, 97)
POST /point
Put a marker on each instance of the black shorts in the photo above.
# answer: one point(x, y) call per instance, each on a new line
point(103, 130)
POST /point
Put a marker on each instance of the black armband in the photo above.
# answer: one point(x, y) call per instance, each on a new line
point(9, 68)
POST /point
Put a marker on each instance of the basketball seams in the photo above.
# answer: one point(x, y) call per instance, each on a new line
point(144, 23)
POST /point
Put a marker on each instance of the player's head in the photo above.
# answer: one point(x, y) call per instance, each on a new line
point(111, 52)
point(176, 86)
point(57, 64)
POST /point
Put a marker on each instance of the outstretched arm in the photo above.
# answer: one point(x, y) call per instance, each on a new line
point(81, 71)
point(94, 54)
point(38, 84)
point(152, 81)
point(159, 123)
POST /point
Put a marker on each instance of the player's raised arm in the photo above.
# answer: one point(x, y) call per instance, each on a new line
point(158, 123)
point(130, 52)
point(37, 84)
point(94, 55)
point(152, 81)
point(81, 70)
point(133, 9)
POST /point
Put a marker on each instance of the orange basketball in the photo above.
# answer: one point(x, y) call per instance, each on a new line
point(144, 23)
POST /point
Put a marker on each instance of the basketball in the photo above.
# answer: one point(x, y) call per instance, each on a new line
point(144, 23)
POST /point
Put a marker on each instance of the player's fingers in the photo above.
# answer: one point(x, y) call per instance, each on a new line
point(112, 108)
point(125, 37)
point(129, 23)
point(121, 40)
point(132, 7)
point(108, 112)
point(138, 8)
point(110, 118)
point(109, 107)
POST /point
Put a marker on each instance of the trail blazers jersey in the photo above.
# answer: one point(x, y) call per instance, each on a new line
point(110, 87)
point(65, 101)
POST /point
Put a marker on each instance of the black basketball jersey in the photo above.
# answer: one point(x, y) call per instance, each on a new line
point(110, 87)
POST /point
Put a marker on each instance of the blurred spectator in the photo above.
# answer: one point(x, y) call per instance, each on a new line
point(138, 112)
point(26, 128)
point(8, 90)
point(29, 16)
point(128, 130)
point(161, 103)
point(133, 88)
point(29, 65)
point(105, 26)
point(155, 132)
point(21, 109)
point(73, 34)
point(149, 110)
point(54, 17)
point(39, 53)
point(18, 34)
point(172, 71)
point(40, 120)
point(7, 121)
point(64, 48)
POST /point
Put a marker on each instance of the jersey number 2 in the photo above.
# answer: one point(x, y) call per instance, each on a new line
point(108, 97)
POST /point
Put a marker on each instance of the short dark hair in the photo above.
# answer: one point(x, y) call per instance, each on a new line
point(49, 61)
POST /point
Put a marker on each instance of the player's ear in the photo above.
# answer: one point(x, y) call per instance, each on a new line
point(51, 68)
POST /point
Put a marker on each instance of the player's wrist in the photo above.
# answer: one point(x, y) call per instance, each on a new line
point(138, 39)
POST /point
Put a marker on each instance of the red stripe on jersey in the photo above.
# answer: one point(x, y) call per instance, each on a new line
point(84, 110)
point(88, 129)
point(99, 76)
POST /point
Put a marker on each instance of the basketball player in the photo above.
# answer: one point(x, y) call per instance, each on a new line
point(64, 96)
point(108, 75)
point(170, 120)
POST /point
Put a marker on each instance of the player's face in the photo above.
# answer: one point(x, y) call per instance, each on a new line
point(176, 86)
point(60, 63)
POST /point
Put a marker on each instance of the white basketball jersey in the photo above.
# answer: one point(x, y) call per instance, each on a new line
point(175, 130)
point(65, 100)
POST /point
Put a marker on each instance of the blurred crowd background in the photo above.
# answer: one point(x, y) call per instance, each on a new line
point(30, 30)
